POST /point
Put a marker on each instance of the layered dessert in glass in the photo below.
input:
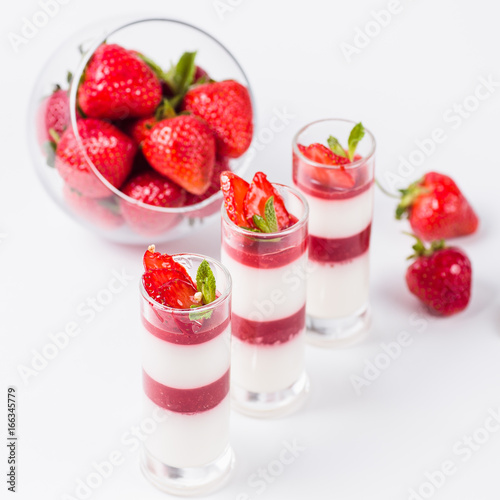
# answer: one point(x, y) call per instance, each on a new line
point(185, 313)
point(338, 184)
point(264, 246)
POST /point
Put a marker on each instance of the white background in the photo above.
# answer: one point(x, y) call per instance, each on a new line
point(374, 445)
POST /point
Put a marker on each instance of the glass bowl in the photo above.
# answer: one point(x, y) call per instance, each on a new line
point(163, 41)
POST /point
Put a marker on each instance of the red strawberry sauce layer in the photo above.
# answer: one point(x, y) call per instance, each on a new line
point(189, 333)
point(269, 253)
point(186, 400)
point(326, 250)
point(269, 332)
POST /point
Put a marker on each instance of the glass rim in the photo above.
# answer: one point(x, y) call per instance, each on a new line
point(207, 307)
point(351, 166)
point(183, 210)
point(270, 236)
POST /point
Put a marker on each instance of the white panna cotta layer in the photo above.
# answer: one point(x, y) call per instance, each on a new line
point(339, 289)
point(340, 218)
point(184, 440)
point(267, 368)
point(186, 366)
point(267, 294)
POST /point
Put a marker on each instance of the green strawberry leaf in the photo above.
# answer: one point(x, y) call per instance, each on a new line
point(270, 215)
point(357, 133)
point(180, 76)
point(157, 70)
point(196, 315)
point(335, 146)
point(164, 110)
point(261, 224)
point(205, 282)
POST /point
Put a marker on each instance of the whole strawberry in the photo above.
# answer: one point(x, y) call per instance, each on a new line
point(109, 149)
point(183, 149)
point(151, 188)
point(436, 208)
point(221, 165)
point(227, 108)
point(53, 116)
point(440, 277)
point(118, 84)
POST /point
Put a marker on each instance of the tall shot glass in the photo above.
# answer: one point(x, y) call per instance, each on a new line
point(268, 315)
point(341, 211)
point(186, 380)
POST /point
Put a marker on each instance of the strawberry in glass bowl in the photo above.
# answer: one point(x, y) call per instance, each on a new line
point(132, 137)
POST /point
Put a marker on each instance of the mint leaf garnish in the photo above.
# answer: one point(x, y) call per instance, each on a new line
point(205, 282)
point(357, 133)
point(270, 214)
point(261, 224)
point(195, 315)
point(335, 146)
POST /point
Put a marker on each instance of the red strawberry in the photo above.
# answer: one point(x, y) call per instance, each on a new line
point(53, 116)
point(156, 278)
point(118, 84)
point(178, 293)
point(437, 209)
point(153, 260)
point(151, 188)
point(227, 108)
point(102, 212)
point(440, 277)
point(328, 177)
point(255, 201)
point(221, 164)
point(167, 281)
point(234, 190)
point(109, 149)
point(139, 129)
point(182, 149)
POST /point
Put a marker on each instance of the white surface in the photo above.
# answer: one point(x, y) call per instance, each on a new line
point(186, 366)
point(339, 289)
point(86, 403)
point(267, 368)
point(340, 218)
point(267, 294)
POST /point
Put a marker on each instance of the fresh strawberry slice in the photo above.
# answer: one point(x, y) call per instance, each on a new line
point(177, 293)
point(234, 190)
point(155, 279)
point(326, 176)
point(154, 261)
point(255, 201)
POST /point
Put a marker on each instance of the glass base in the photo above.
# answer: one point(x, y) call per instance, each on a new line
point(188, 481)
point(270, 404)
point(337, 333)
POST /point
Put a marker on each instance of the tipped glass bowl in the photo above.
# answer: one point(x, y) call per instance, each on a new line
point(163, 41)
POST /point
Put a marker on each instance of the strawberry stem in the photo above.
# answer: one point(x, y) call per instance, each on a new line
point(424, 251)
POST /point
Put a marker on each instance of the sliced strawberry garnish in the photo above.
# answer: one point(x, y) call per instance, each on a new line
point(234, 190)
point(328, 177)
point(155, 279)
point(255, 201)
point(157, 261)
point(177, 293)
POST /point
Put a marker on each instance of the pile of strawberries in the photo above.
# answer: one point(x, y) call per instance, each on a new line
point(162, 138)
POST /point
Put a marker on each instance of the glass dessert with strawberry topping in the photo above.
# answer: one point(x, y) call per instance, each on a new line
point(264, 246)
point(185, 313)
point(338, 184)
